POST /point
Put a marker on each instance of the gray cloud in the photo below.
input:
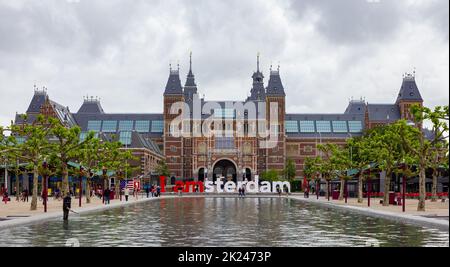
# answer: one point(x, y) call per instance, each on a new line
point(120, 50)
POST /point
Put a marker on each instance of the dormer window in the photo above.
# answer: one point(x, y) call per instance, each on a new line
point(411, 94)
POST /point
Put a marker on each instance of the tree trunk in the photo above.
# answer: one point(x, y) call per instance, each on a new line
point(387, 187)
point(65, 184)
point(17, 186)
point(88, 189)
point(117, 189)
point(422, 188)
point(434, 189)
point(327, 188)
point(341, 190)
point(35, 188)
point(360, 189)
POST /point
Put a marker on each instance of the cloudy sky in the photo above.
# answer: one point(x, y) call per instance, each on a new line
point(120, 50)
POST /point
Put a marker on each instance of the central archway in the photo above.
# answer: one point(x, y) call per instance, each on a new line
point(225, 168)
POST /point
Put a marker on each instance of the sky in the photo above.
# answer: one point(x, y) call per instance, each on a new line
point(119, 50)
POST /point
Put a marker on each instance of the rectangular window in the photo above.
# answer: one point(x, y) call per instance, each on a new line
point(109, 126)
point(355, 126)
point(323, 126)
point(142, 126)
point(224, 113)
point(307, 127)
point(125, 126)
point(225, 143)
point(157, 126)
point(94, 126)
point(291, 127)
point(340, 126)
point(125, 138)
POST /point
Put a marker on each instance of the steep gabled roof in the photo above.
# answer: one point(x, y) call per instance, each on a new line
point(91, 106)
point(409, 90)
point(37, 101)
point(173, 86)
point(275, 86)
point(356, 107)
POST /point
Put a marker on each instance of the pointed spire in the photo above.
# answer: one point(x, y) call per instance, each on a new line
point(257, 63)
point(190, 81)
point(190, 61)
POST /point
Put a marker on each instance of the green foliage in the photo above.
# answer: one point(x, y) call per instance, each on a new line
point(290, 170)
point(270, 176)
point(162, 169)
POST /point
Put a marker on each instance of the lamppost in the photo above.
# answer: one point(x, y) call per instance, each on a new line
point(244, 174)
point(45, 190)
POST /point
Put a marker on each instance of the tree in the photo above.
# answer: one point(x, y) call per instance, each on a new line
point(362, 156)
point(162, 169)
point(114, 159)
point(36, 147)
point(66, 148)
point(327, 168)
point(311, 170)
point(290, 170)
point(270, 175)
point(90, 154)
point(340, 157)
point(386, 143)
point(420, 146)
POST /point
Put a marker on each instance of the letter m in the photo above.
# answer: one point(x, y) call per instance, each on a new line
point(189, 185)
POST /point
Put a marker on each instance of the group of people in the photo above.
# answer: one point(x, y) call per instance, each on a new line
point(153, 190)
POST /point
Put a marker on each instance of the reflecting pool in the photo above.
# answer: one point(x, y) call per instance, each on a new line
point(223, 222)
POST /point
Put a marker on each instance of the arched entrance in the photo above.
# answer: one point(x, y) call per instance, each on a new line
point(201, 175)
point(248, 174)
point(225, 168)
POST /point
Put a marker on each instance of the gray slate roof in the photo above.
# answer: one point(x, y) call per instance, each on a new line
point(37, 101)
point(275, 87)
point(409, 90)
point(173, 86)
point(356, 107)
point(91, 106)
point(383, 112)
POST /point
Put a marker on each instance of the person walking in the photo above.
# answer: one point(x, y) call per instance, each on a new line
point(158, 191)
point(107, 194)
point(67, 205)
point(240, 192)
point(127, 193)
point(147, 190)
point(243, 191)
point(5, 197)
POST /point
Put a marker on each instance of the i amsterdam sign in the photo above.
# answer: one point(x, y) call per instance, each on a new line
point(220, 186)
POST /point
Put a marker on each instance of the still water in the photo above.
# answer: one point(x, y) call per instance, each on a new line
point(223, 222)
